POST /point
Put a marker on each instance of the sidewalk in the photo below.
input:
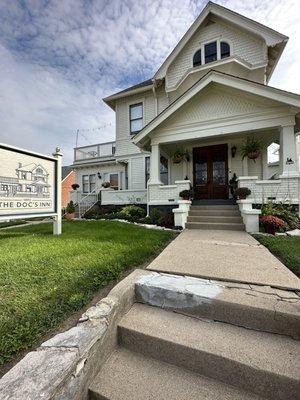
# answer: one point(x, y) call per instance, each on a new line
point(224, 255)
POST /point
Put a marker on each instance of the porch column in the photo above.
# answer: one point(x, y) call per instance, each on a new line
point(155, 165)
point(288, 152)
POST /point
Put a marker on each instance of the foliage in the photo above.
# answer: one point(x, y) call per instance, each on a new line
point(45, 278)
point(233, 182)
point(186, 194)
point(106, 185)
point(284, 212)
point(242, 192)
point(133, 211)
point(284, 247)
point(181, 154)
point(70, 209)
point(75, 186)
point(270, 221)
point(251, 145)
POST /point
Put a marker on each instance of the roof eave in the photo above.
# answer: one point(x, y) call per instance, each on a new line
point(110, 100)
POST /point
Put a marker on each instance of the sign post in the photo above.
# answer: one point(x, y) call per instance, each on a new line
point(30, 185)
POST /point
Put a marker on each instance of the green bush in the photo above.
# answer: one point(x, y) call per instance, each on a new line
point(133, 211)
point(284, 212)
point(70, 209)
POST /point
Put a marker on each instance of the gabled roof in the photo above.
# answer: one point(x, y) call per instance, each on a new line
point(222, 78)
point(271, 36)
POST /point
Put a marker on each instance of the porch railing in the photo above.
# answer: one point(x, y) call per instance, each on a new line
point(166, 194)
point(138, 196)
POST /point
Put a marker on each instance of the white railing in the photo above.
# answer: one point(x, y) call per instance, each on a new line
point(84, 201)
point(286, 189)
point(109, 196)
point(94, 151)
point(166, 194)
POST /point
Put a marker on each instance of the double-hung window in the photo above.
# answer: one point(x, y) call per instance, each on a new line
point(136, 117)
point(88, 183)
point(114, 181)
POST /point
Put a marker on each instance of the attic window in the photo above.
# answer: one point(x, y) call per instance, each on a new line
point(225, 50)
point(210, 51)
point(197, 58)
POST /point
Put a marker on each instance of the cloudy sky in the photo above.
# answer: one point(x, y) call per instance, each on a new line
point(58, 58)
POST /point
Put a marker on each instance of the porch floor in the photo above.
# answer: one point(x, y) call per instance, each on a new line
point(224, 255)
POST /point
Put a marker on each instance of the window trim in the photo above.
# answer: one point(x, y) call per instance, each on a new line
point(138, 103)
point(89, 183)
point(202, 48)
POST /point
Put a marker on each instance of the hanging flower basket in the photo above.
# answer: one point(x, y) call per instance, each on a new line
point(253, 155)
point(177, 159)
point(251, 148)
point(180, 155)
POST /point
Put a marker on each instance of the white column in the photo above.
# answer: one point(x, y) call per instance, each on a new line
point(57, 218)
point(155, 165)
point(288, 152)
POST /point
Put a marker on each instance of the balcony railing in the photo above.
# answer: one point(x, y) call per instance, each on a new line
point(101, 150)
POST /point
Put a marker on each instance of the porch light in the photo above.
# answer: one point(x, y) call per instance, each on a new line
point(289, 161)
point(233, 151)
point(99, 175)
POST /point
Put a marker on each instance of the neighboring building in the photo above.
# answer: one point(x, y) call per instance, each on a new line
point(68, 179)
point(207, 97)
point(31, 180)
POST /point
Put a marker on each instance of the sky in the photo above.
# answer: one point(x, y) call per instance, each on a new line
point(59, 58)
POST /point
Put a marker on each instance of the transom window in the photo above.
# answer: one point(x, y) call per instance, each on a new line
point(136, 117)
point(210, 52)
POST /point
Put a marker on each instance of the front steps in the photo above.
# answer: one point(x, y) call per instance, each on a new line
point(224, 217)
point(202, 350)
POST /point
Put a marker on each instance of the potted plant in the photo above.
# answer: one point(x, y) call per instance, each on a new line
point(272, 223)
point(180, 155)
point(186, 194)
point(233, 183)
point(75, 186)
point(106, 185)
point(242, 193)
point(70, 211)
point(251, 148)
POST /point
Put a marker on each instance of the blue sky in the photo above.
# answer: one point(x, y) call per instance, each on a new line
point(58, 58)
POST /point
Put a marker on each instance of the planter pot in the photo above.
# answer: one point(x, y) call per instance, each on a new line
point(253, 154)
point(270, 230)
point(177, 160)
point(242, 197)
point(70, 216)
point(185, 198)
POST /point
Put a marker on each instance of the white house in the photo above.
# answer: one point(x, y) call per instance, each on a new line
point(209, 95)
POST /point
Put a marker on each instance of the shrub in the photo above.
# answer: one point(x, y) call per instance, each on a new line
point(242, 192)
point(70, 209)
point(272, 223)
point(186, 194)
point(167, 220)
point(133, 211)
point(284, 212)
point(155, 216)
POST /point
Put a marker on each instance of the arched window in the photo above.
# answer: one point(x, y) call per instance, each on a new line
point(197, 58)
point(225, 50)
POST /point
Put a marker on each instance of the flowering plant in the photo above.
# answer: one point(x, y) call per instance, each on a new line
point(272, 223)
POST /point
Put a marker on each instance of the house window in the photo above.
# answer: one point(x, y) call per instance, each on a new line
point(210, 52)
point(136, 117)
point(147, 170)
point(225, 50)
point(164, 170)
point(88, 183)
point(114, 181)
point(197, 58)
point(23, 175)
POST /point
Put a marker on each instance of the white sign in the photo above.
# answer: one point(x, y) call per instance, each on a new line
point(30, 183)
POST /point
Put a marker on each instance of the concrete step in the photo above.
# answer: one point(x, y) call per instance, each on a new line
point(212, 213)
point(216, 207)
point(132, 376)
point(255, 307)
point(258, 362)
point(215, 225)
point(216, 218)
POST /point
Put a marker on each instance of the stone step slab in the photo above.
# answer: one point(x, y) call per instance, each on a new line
point(215, 226)
point(216, 218)
point(262, 363)
point(132, 376)
point(256, 307)
point(216, 207)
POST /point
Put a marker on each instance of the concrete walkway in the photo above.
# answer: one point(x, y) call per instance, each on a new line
point(224, 255)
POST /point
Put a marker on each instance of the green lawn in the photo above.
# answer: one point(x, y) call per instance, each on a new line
point(12, 223)
point(43, 278)
point(284, 247)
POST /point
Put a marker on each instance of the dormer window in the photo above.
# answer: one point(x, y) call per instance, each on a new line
point(197, 58)
point(225, 50)
point(210, 52)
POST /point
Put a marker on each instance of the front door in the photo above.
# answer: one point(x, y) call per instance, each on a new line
point(211, 172)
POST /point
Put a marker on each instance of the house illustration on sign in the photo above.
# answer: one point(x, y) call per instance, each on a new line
point(31, 181)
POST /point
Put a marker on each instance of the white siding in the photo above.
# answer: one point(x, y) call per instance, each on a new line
point(103, 169)
point(137, 173)
point(248, 47)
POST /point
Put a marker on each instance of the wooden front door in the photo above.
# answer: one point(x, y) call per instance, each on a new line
point(211, 172)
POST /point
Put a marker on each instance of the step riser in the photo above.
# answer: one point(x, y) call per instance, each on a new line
point(223, 208)
point(208, 226)
point(211, 365)
point(245, 313)
point(234, 220)
point(210, 213)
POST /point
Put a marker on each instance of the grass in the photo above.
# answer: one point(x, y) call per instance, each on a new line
point(12, 223)
point(286, 248)
point(45, 278)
